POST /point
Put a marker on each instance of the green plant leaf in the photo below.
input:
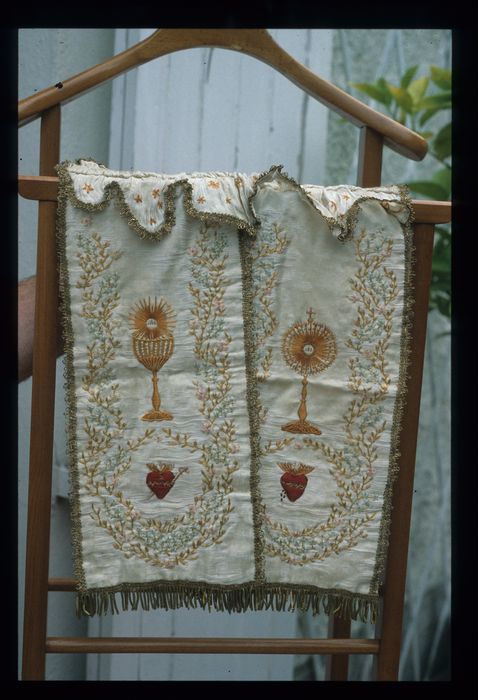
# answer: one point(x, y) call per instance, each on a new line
point(441, 265)
point(408, 76)
point(383, 86)
point(401, 97)
point(444, 306)
point(442, 142)
point(417, 89)
point(372, 91)
point(443, 178)
point(441, 100)
point(441, 77)
point(428, 114)
point(426, 134)
point(428, 189)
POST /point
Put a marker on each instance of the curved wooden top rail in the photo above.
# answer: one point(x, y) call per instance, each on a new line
point(257, 43)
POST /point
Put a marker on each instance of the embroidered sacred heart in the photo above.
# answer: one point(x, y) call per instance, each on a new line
point(161, 479)
point(294, 479)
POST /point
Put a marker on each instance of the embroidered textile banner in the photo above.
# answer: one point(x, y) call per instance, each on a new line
point(236, 350)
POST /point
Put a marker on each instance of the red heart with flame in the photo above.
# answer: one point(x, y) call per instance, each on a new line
point(160, 479)
point(294, 479)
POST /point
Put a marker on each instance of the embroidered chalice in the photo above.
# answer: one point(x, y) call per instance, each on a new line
point(153, 345)
point(308, 348)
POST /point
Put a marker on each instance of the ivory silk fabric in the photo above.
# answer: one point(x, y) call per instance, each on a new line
point(236, 360)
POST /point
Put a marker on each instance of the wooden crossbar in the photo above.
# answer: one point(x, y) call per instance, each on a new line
point(211, 645)
point(45, 189)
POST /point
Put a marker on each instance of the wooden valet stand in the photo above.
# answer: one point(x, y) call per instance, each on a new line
point(377, 131)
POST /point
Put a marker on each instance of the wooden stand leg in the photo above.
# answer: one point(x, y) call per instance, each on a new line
point(389, 628)
point(337, 667)
point(369, 175)
point(42, 421)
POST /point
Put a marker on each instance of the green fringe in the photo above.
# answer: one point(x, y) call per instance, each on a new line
point(171, 596)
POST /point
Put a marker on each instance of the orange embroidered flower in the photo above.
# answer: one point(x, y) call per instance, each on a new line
point(87, 187)
point(152, 221)
point(213, 184)
point(160, 204)
point(201, 199)
point(138, 198)
point(238, 181)
point(155, 193)
point(228, 200)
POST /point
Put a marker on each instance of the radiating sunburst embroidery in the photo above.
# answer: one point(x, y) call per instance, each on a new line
point(153, 344)
point(308, 347)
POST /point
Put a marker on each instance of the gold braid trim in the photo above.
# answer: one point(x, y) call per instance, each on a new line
point(171, 595)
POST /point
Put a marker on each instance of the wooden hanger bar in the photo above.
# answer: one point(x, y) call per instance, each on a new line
point(257, 43)
point(45, 188)
point(209, 645)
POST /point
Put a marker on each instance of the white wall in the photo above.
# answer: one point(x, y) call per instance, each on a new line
point(45, 57)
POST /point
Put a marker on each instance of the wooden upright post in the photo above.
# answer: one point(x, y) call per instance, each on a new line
point(368, 175)
point(42, 416)
point(389, 628)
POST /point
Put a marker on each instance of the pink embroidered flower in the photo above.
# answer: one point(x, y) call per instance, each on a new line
point(206, 426)
point(235, 448)
point(298, 445)
point(193, 250)
point(201, 393)
point(218, 304)
point(224, 344)
point(87, 221)
point(193, 324)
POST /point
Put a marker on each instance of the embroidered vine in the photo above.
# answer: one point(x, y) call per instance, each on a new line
point(262, 254)
point(211, 349)
point(265, 250)
point(374, 291)
point(107, 455)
